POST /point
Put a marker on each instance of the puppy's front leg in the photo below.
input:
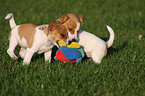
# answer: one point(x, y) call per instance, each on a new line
point(47, 55)
point(28, 56)
point(13, 43)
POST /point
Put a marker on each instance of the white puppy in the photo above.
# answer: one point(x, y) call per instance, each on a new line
point(33, 38)
point(94, 46)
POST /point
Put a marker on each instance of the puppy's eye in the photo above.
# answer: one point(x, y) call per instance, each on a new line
point(62, 35)
point(70, 29)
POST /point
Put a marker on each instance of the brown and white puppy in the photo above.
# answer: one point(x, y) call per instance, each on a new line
point(94, 47)
point(33, 38)
point(72, 22)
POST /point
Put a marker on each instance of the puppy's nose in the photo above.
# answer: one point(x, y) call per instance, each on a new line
point(74, 40)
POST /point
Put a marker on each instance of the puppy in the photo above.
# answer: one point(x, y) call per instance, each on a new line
point(72, 23)
point(94, 46)
point(33, 38)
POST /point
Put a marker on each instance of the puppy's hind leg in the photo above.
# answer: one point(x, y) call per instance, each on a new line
point(97, 57)
point(13, 43)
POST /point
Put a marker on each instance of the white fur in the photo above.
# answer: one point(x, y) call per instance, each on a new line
point(45, 25)
point(76, 31)
point(94, 46)
point(77, 28)
point(71, 36)
point(47, 56)
point(22, 52)
point(13, 43)
point(12, 22)
point(111, 39)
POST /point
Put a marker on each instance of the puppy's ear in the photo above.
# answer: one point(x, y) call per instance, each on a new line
point(82, 19)
point(63, 19)
point(52, 27)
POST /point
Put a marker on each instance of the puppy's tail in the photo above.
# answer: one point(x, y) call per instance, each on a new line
point(111, 39)
point(12, 21)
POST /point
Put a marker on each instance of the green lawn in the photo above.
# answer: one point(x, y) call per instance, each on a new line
point(121, 72)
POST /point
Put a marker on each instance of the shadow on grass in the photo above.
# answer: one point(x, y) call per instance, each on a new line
point(54, 52)
point(37, 56)
point(112, 50)
point(54, 49)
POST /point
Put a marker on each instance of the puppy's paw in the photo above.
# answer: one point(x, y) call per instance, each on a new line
point(97, 61)
point(48, 59)
point(25, 63)
point(15, 58)
point(22, 55)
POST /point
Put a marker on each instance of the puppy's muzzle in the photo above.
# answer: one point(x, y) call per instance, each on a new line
point(73, 40)
point(57, 43)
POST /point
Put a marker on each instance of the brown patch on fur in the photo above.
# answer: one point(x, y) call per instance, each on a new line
point(45, 29)
point(74, 17)
point(52, 24)
point(63, 19)
point(82, 19)
point(58, 32)
point(9, 34)
point(27, 31)
point(105, 52)
point(71, 25)
point(42, 28)
point(107, 45)
point(72, 21)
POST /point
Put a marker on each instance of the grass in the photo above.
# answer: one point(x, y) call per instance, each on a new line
point(121, 72)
